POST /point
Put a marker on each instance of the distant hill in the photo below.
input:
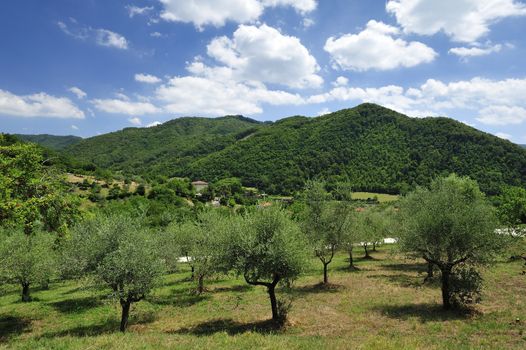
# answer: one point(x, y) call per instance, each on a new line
point(50, 141)
point(523, 146)
point(165, 149)
point(372, 147)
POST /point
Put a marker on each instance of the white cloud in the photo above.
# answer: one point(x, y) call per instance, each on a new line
point(462, 20)
point(340, 81)
point(102, 37)
point(211, 12)
point(135, 121)
point(493, 102)
point(147, 78)
point(135, 10)
point(308, 22)
point(74, 127)
point(217, 12)
point(503, 135)
point(38, 105)
point(152, 124)
point(474, 51)
point(119, 106)
point(215, 96)
point(377, 47)
point(78, 92)
point(302, 6)
point(324, 111)
point(264, 54)
point(502, 115)
point(108, 38)
point(156, 35)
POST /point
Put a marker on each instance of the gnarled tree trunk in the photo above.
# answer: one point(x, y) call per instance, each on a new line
point(125, 304)
point(25, 292)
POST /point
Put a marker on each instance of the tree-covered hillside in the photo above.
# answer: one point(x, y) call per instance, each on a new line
point(165, 149)
point(373, 148)
point(51, 141)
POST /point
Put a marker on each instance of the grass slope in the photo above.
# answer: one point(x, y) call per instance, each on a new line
point(382, 306)
point(52, 142)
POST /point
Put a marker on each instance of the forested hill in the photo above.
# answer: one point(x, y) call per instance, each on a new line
point(51, 141)
point(373, 148)
point(165, 149)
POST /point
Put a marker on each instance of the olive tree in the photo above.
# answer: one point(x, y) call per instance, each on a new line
point(452, 226)
point(120, 254)
point(27, 259)
point(267, 247)
point(202, 243)
point(324, 224)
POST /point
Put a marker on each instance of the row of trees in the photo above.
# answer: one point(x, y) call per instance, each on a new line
point(450, 225)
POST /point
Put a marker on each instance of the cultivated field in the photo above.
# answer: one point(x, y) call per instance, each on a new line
point(384, 305)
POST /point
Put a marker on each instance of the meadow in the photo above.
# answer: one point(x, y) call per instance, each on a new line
point(383, 305)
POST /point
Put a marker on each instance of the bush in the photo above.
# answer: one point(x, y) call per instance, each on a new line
point(466, 286)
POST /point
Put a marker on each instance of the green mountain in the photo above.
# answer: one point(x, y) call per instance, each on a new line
point(50, 141)
point(165, 149)
point(374, 148)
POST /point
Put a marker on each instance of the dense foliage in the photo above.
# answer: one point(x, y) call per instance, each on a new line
point(452, 226)
point(162, 150)
point(372, 147)
point(52, 142)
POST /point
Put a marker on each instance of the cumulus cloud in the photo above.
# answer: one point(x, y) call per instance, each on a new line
point(502, 115)
point(492, 102)
point(122, 106)
point(217, 12)
point(465, 52)
point(462, 20)
point(147, 78)
point(214, 95)
point(135, 121)
point(152, 124)
point(78, 92)
point(102, 37)
point(266, 55)
point(38, 105)
point(377, 47)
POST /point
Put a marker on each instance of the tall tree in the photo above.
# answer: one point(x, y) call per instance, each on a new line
point(325, 223)
point(33, 191)
point(121, 255)
point(452, 226)
point(27, 259)
point(268, 247)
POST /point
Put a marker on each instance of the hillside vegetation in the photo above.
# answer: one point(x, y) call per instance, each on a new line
point(52, 142)
point(373, 148)
point(162, 150)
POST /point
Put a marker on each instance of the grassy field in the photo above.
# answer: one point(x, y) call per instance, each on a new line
point(382, 197)
point(384, 305)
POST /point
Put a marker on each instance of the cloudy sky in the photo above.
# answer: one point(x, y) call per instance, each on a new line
point(86, 67)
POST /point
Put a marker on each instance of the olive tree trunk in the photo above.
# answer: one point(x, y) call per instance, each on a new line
point(125, 304)
point(25, 292)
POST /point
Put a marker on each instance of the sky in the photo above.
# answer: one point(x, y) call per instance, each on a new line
point(88, 67)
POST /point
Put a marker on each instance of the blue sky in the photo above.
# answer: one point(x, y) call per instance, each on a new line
point(94, 66)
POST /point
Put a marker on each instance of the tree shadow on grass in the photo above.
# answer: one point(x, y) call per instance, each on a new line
point(179, 298)
point(108, 327)
point(424, 312)
point(76, 305)
point(238, 288)
point(11, 326)
point(317, 288)
point(410, 267)
point(231, 327)
point(405, 280)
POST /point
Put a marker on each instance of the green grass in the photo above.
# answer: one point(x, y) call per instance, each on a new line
point(384, 305)
point(382, 197)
